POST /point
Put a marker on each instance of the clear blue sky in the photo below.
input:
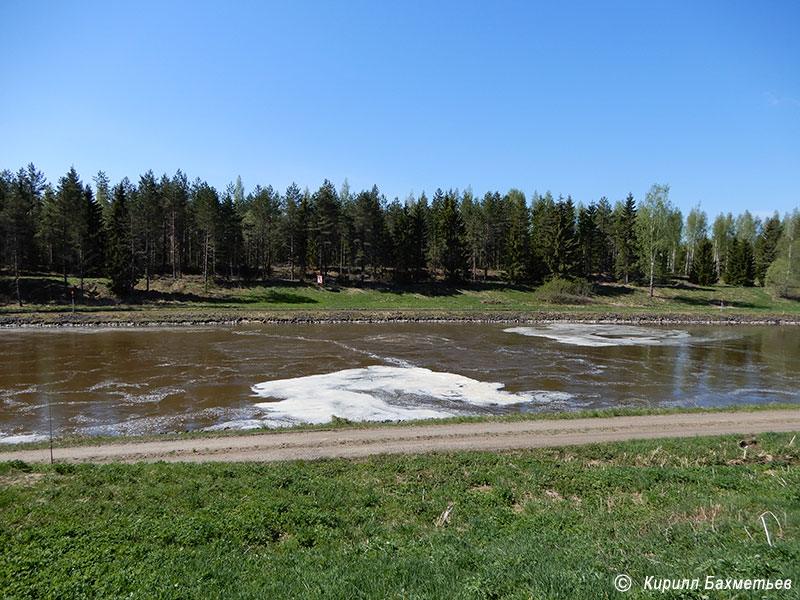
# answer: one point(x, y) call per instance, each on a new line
point(581, 98)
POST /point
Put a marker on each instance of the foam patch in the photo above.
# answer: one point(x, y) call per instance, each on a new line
point(595, 335)
point(381, 393)
point(22, 439)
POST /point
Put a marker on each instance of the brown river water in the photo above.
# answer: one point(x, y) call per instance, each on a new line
point(128, 381)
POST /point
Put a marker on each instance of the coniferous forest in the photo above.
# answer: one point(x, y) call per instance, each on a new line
point(133, 231)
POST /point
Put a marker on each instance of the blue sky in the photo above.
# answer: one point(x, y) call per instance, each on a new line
point(584, 98)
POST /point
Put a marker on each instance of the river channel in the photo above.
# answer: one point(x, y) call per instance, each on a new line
point(129, 381)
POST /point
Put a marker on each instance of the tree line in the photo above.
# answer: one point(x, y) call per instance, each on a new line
point(168, 226)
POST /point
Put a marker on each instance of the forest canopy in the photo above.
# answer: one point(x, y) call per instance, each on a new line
point(131, 232)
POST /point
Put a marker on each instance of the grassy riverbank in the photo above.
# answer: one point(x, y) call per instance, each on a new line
point(554, 523)
point(185, 301)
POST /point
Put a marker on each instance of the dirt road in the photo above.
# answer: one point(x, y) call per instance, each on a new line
point(351, 443)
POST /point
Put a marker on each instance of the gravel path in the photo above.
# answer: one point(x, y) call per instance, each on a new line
point(353, 443)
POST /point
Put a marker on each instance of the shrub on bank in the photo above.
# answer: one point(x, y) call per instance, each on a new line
point(564, 291)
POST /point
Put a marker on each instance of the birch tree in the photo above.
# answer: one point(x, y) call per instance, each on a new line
point(653, 229)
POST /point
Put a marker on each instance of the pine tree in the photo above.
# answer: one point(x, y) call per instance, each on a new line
point(326, 212)
point(147, 217)
point(346, 230)
point(366, 230)
point(175, 193)
point(229, 235)
point(19, 197)
point(261, 222)
point(63, 220)
point(206, 214)
point(306, 240)
point(292, 229)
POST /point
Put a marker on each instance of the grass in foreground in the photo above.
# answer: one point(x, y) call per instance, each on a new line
point(549, 523)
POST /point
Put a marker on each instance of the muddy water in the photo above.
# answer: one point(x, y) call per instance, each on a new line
point(144, 380)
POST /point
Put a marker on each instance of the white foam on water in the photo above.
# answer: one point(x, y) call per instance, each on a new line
point(113, 385)
point(599, 335)
point(545, 397)
point(22, 438)
point(381, 393)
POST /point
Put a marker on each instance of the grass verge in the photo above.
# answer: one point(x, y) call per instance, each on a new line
point(338, 424)
point(547, 523)
point(184, 300)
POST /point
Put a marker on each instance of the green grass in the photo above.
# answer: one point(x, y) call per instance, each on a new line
point(549, 523)
point(338, 424)
point(185, 300)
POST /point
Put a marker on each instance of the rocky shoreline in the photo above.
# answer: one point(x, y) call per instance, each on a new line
point(67, 320)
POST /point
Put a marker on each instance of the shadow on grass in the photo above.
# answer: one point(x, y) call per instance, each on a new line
point(613, 291)
point(277, 297)
point(713, 302)
point(680, 285)
point(47, 290)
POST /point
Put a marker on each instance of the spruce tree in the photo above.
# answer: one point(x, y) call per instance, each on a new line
point(561, 251)
point(367, 230)
point(740, 265)
point(603, 249)
point(475, 231)
point(766, 250)
point(496, 224)
point(418, 224)
point(517, 245)
point(515, 261)
point(625, 240)
point(451, 234)
point(120, 257)
point(90, 237)
point(703, 270)
point(403, 243)
point(588, 240)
